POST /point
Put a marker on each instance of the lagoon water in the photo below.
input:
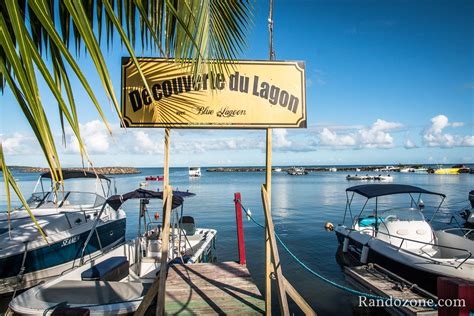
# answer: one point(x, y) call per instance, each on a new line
point(301, 206)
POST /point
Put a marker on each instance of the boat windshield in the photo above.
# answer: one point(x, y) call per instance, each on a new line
point(402, 214)
point(69, 199)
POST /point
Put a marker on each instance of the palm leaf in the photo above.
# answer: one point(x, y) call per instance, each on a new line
point(188, 30)
point(9, 180)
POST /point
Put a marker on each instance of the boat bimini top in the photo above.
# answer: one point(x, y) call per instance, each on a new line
point(375, 190)
point(371, 191)
point(75, 174)
point(115, 201)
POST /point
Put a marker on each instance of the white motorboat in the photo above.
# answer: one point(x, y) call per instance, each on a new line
point(332, 169)
point(297, 171)
point(66, 218)
point(277, 169)
point(370, 178)
point(116, 282)
point(401, 239)
point(194, 171)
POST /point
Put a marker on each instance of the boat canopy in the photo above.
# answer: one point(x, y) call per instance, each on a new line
point(115, 201)
point(375, 190)
point(73, 174)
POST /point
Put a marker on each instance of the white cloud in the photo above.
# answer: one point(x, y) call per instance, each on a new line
point(94, 135)
point(457, 124)
point(280, 138)
point(18, 144)
point(375, 136)
point(434, 136)
point(409, 144)
point(143, 143)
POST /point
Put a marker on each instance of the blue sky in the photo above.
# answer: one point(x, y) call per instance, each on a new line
point(387, 82)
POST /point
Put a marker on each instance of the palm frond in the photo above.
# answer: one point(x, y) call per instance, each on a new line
point(32, 30)
point(10, 181)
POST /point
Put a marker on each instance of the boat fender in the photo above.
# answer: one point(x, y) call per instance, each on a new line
point(329, 226)
point(421, 204)
point(345, 245)
point(364, 255)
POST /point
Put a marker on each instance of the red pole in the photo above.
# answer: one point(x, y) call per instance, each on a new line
point(240, 228)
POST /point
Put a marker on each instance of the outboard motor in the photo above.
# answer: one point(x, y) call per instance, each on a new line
point(468, 215)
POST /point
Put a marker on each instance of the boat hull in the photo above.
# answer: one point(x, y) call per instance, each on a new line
point(421, 271)
point(31, 302)
point(49, 261)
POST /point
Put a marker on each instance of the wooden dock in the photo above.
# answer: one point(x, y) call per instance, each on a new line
point(212, 289)
point(386, 284)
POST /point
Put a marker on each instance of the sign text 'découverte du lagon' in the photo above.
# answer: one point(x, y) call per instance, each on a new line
point(249, 94)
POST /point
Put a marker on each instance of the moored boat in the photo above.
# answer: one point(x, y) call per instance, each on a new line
point(456, 169)
point(67, 218)
point(153, 178)
point(370, 178)
point(116, 282)
point(401, 239)
point(194, 171)
point(297, 171)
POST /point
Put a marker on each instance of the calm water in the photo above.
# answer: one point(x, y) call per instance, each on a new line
point(301, 206)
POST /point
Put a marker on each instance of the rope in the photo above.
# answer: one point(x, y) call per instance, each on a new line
point(303, 265)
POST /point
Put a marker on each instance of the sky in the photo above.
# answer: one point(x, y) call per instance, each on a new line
point(387, 82)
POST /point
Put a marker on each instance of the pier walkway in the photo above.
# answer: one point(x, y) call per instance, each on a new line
point(211, 289)
point(386, 284)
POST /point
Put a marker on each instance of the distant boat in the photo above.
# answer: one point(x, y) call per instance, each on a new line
point(277, 169)
point(456, 169)
point(297, 171)
point(153, 178)
point(143, 184)
point(357, 169)
point(332, 169)
point(194, 171)
point(369, 178)
point(405, 170)
point(390, 169)
point(420, 170)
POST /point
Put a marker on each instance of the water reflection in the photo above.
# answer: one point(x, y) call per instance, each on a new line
point(301, 206)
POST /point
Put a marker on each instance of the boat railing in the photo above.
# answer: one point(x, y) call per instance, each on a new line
point(403, 239)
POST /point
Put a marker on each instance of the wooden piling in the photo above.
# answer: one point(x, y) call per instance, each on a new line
point(240, 228)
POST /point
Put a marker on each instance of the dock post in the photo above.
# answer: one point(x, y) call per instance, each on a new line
point(240, 228)
point(167, 202)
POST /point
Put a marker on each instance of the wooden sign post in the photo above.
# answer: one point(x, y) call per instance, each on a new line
point(251, 95)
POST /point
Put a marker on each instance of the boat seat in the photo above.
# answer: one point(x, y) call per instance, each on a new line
point(187, 224)
point(112, 269)
point(369, 221)
point(92, 292)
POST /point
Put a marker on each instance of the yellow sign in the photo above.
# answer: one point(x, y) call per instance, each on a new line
point(248, 94)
